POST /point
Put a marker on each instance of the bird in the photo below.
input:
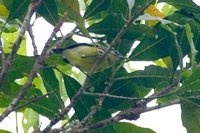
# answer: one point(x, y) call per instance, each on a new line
point(84, 56)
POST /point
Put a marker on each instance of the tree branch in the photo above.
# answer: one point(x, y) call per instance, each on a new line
point(7, 63)
point(30, 31)
point(123, 115)
point(33, 73)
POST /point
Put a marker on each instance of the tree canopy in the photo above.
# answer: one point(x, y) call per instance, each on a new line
point(165, 32)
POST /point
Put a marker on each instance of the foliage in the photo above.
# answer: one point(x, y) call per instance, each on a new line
point(165, 38)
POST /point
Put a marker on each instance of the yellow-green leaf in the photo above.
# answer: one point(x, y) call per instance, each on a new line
point(3, 10)
point(9, 40)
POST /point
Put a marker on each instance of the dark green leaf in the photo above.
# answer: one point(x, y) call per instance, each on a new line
point(136, 84)
point(51, 84)
point(82, 107)
point(17, 8)
point(184, 17)
point(163, 45)
point(101, 115)
point(48, 10)
point(190, 117)
point(111, 29)
point(119, 7)
point(43, 106)
point(155, 47)
point(96, 7)
point(21, 67)
point(192, 82)
point(125, 127)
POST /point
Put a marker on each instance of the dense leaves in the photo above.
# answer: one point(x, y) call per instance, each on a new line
point(173, 35)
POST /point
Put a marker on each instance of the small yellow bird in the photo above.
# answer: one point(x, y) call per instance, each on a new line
point(84, 56)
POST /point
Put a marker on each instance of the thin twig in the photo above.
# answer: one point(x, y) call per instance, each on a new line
point(34, 99)
point(16, 122)
point(7, 62)
point(32, 75)
point(165, 91)
point(99, 103)
point(30, 31)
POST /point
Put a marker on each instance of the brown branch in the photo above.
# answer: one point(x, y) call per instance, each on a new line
point(120, 116)
point(32, 75)
point(30, 31)
point(123, 115)
point(7, 62)
point(115, 96)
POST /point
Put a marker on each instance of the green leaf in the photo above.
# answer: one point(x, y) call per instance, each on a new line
point(125, 127)
point(30, 119)
point(190, 117)
point(9, 40)
point(82, 107)
point(183, 18)
point(21, 67)
point(183, 4)
point(123, 9)
point(167, 43)
point(136, 84)
point(192, 82)
point(192, 46)
point(102, 115)
point(5, 100)
point(44, 106)
point(48, 10)
point(18, 70)
point(96, 7)
point(4, 131)
point(52, 86)
point(111, 29)
point(16, 8)
point(8, 91)
point(153, 46)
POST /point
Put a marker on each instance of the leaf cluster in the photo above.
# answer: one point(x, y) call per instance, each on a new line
point(166, 42)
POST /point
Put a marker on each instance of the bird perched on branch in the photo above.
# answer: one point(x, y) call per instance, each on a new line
point(84, 56)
